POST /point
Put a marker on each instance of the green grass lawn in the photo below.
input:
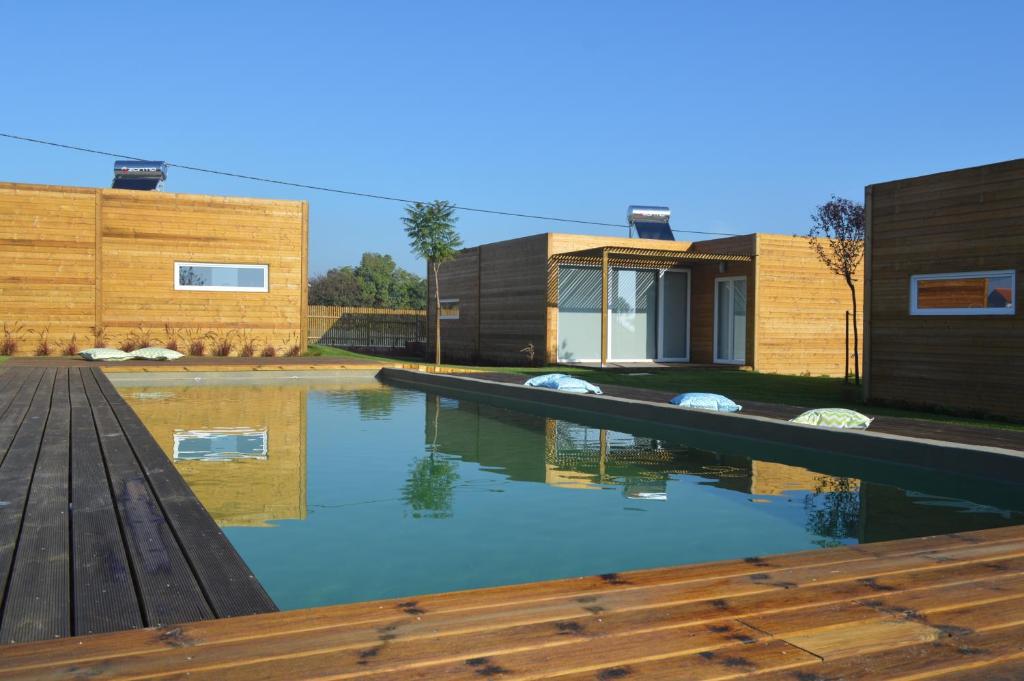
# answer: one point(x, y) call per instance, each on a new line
point(801, 391)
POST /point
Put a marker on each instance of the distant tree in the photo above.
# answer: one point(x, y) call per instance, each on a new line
point(431, 231)
point(837, 236)
point(375, 282)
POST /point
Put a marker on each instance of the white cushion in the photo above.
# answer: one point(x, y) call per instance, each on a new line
point(104, 355)
point(156, 354)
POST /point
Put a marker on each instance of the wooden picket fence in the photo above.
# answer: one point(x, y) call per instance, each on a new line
point(366, 327)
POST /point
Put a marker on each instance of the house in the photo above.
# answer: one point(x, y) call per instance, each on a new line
point(943, 257)
point(102, 265)
point(758, 300)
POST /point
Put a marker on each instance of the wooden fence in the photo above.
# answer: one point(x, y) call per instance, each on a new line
point(366, 327)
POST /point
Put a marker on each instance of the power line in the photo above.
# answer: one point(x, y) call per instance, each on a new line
point(333, 190)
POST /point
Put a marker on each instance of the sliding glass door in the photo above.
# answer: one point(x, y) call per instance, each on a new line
point(633, 319)
point(579, 314)
point(731, 320)
point(674, 316)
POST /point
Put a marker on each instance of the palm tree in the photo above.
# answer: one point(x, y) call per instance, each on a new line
point(432, 235)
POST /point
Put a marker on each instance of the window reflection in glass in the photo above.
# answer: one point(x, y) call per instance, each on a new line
point(951, 292)
point(222, 276)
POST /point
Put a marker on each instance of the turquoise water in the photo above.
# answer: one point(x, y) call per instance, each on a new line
point(351, 490)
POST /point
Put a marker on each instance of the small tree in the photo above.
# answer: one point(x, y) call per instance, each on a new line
point(432, 235)
point(837, 236)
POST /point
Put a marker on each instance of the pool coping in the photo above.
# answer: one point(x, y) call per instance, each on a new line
point(995, 463)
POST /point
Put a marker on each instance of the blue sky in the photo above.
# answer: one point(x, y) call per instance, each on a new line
point(740, 116)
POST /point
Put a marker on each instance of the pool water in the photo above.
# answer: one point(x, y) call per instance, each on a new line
point(348, 489)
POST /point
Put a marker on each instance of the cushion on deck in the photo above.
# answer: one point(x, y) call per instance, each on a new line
point(564, 383)
point(708, 401)
point(834, 418)
point(104, 355)
point(156, 354)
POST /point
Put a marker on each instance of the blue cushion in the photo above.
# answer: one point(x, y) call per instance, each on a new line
point(568, 384)
point(709, 401)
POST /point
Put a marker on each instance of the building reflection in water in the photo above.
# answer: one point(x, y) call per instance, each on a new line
point(241, 448)
point(577, 457)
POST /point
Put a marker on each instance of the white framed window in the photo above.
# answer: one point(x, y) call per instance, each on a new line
point(964, 293)
point(208, 276)
point(449, 308)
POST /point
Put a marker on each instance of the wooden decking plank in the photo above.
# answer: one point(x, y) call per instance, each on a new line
point(463, 631)
point(16, 474)
point(15, 414)
point(1006, 670)
point(230, 586)
point(349, 618)
point(10, 381)
point(922, 661)
point(729, 662)
point(104, 591)
point(167, 588)
point(38, 601)
point(566, 653)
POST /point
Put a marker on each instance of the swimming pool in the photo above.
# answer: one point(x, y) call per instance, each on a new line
point(347, 489)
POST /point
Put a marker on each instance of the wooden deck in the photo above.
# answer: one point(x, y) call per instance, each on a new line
point(948, 607)
point(98, 531)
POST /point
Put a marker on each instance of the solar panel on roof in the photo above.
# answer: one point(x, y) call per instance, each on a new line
point(654, 230)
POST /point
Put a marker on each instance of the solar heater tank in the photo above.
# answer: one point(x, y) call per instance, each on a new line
point(650, 222)
point(140, 175)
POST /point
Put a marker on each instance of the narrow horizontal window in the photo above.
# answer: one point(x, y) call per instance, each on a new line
point(449, 308)
point(964, 293)
point(202, 276)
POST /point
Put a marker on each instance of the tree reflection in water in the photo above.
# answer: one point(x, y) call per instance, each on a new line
point(431, 485)
point(833, 510)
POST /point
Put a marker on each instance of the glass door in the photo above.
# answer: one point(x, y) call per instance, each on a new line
point(632, 314)
point(731, 320)
point(674, 316)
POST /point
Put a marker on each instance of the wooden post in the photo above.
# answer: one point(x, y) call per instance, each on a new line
point(846, 369)
point(604, 307)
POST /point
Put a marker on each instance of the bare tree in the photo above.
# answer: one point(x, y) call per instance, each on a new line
point(837, 236)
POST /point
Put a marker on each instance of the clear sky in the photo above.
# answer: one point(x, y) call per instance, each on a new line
point(740, 116)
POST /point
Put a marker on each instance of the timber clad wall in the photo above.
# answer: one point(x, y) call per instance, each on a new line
point(48, 241)
point(702, 295)
point(961, 221)
point(801, 309)
point(508, 297)
point(53, 279)
point(502, 292)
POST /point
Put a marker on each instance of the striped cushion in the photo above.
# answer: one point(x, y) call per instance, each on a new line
point(834, 418)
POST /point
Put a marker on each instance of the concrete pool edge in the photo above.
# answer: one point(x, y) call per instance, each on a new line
point(1004, 465)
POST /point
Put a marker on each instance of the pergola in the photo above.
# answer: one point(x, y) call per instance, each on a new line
point(622, 256)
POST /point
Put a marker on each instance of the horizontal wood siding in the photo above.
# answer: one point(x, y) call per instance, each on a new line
point(702, 296)
point(48, 283)
point(52, 234)
point(459, 340)
point(801, 311)
point(513, 298)
point(961, 221)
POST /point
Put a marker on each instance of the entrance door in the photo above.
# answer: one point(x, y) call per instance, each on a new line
point(730, 320)
point(674, 316)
